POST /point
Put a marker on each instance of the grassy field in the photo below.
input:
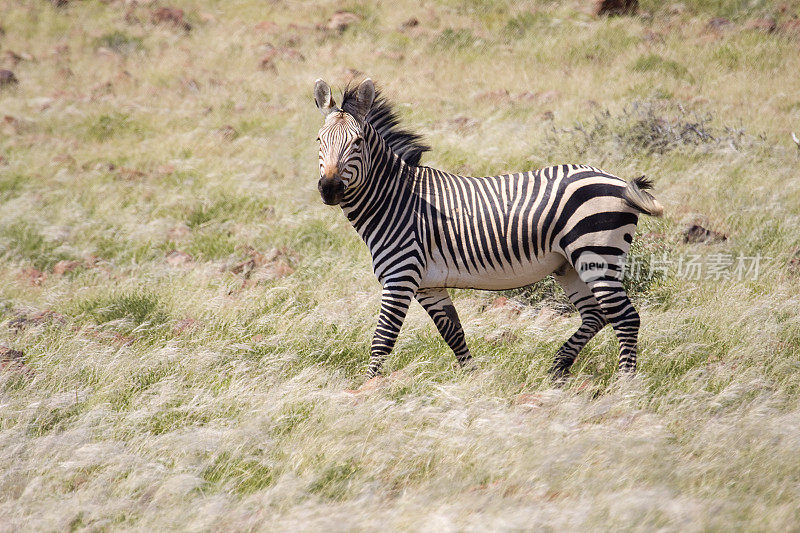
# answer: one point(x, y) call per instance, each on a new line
point(181, 315)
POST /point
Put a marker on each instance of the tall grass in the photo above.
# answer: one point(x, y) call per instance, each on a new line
point(191, 314)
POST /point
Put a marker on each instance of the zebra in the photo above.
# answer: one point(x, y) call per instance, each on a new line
point(428, 230)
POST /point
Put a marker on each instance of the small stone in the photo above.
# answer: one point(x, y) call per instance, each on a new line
point(34, 275)
point(615, 7)
point(64, 266)
point(170, 15)
point(790, 28)
point(696, 234)
point(7, 78)
point(412, 22)
point(14, 361)
point(184, 325)
point(178, 232)
point(766, 25)
point(719, 24)
point(341, 20)
point(267, 26)
point(268, 60)
point(228, 132)
point(177, 258)
point(495, 95)
point(549, 96)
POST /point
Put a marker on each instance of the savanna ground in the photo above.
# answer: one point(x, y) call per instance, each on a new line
point(181, 314)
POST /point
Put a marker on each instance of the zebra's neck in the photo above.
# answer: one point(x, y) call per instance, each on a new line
point(385, 193)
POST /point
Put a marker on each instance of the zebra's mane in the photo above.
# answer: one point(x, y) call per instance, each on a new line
point(383, 118)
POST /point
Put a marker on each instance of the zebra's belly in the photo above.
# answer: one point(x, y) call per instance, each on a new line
point(493, 278)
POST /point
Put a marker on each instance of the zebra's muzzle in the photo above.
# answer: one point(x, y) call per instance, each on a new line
point(331, 190)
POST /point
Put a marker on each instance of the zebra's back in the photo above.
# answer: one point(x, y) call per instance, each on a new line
point(511, 230)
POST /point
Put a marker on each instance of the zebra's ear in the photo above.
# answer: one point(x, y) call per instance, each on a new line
point(323, 98)
point(365, 95)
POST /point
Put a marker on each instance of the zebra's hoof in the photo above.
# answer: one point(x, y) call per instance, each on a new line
point(560, 376)
point(468, 367)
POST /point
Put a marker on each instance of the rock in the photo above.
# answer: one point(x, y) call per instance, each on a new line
point(274, 264)
point(267, 26)
point(500, 301)
point(34, 275)
point(178, 232)
point(341, 20)
point(794, 263)
point(545, 317)
point(14, 361)
point(22, 320)
point(268, 60)
point(15, 58)
point(245, 267)
point(677, 8)
point(464, 123)
point(615, 7)
point(549, 96)
point(131, 173)
point(170, 15)
point(177, 258)
point(183, 325)
point(412, 22)
point(696, 234)
point(379, 382)
point(527, 96)
point(766, 25)
point(7, 78)
point(228, 132)
point(495, 95)
point(719, 24)
point(790, 28)
point(505, 304)
point(64, 266)
point(652, 37)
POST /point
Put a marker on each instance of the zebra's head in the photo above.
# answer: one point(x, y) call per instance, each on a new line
point(343, 155)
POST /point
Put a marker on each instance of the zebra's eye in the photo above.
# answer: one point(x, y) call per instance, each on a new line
point(357, 142)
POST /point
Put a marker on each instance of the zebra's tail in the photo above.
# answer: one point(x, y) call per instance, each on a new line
point(637, 197)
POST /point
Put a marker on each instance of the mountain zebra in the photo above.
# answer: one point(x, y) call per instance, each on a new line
point(428, 230)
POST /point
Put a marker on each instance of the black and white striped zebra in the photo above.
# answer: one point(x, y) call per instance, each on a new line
point(428, 230)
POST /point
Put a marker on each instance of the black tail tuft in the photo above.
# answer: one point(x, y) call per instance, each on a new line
point(643, 182)
point(635, 196)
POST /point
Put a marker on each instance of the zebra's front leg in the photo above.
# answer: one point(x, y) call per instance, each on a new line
point(394, 306)
point(440, 307)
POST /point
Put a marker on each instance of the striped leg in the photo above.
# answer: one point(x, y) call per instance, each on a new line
point(622, 316)
point(440, 308)
point(592, 321)
point(394, 306)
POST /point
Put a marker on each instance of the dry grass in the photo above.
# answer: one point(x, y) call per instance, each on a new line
point(205, 391)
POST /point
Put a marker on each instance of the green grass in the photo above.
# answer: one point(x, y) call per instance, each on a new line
point(202, 396)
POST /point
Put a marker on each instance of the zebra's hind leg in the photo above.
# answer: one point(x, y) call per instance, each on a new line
point(622, 316)
point(592, 321)
point(440, 307)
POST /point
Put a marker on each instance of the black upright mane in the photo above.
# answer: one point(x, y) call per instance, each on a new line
point(383, 118)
